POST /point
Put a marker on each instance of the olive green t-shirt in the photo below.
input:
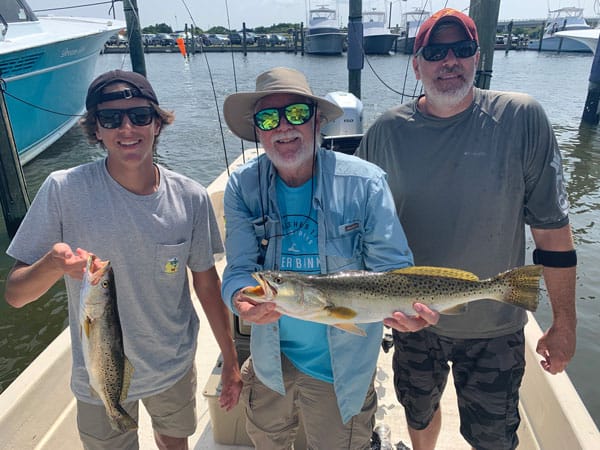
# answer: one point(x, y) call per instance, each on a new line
point(466, 186)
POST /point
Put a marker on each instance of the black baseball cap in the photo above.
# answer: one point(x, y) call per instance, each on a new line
point(140, 87)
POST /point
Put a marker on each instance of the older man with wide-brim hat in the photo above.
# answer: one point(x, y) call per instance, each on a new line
point(285, 117)
point(302, 208)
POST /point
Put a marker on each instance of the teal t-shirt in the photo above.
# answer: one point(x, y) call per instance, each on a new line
point(304, 343)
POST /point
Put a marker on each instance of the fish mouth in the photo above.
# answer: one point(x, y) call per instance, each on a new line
point(95, 269)
point(264, 291)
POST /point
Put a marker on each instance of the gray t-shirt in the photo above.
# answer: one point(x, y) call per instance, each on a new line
point(465, 187)
point(150, 240)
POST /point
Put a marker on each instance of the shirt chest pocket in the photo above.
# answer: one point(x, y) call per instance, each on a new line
point(343, 247)
point(170, 261)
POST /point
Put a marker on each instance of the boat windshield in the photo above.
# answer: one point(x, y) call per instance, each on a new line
point(16, 11)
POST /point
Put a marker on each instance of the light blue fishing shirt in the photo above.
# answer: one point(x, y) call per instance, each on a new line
point(358, 229)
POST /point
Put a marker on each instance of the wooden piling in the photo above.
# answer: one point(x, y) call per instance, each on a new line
point(355, 57)
point(134, 34)
point(485, 17)
point(13, 190)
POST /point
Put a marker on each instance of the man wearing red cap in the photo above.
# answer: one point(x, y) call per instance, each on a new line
point(469, 169)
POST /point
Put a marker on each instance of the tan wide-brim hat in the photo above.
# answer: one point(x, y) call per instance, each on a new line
point(238, 108)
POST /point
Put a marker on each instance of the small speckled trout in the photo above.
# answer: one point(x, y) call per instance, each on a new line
point(346, 298)
point(108, 368)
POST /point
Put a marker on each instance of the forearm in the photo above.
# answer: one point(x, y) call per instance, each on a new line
point(560, 283)
point(208, 291)
point(26, 283)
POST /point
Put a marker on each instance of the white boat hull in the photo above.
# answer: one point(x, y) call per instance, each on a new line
point(588, 38)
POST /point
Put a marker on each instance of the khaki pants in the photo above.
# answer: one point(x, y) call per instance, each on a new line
point(173, 413)
point(272, 419)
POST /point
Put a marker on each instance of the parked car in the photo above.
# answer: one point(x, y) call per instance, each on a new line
point(250, 37)
point(165, 39)
point(218, 39)
point(117, 40)
point(204, 39)
point(235, 38)
point(277, 39)
point(148, 38)
point(262, 39)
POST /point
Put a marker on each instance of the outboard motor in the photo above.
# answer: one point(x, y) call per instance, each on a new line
point(344, 133)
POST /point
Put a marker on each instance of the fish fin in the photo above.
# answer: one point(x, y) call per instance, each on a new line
point(455, 310)
point(437, 272)
point(341, 312)
point(350, 328)
point(524, 284)
point(86, 326)
point(121, 421)
point(127, 376)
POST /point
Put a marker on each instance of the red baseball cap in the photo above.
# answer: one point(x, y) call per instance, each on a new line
point(444, 16)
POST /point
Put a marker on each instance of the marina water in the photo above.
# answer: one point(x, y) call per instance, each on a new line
point(194, 145)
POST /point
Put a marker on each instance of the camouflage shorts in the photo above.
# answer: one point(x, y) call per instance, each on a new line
point(487, 375)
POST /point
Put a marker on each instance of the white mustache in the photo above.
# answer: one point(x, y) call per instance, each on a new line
point(287, 136)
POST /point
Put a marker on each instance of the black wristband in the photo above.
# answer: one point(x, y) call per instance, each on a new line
point(555, 259)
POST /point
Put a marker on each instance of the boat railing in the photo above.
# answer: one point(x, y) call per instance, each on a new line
point(4, 27)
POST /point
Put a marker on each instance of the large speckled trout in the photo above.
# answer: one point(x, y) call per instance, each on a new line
point(346, 298)
point(108, 369)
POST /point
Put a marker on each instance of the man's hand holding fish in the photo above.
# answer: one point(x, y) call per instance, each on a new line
point(254, 312)
point(407, 323)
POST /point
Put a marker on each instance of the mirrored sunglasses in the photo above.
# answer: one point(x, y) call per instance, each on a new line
point(437, 52)
point(113, 118)
point(296, 114)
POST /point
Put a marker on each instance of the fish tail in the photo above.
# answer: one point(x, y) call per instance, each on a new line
point(523, 286)
point(121, 421)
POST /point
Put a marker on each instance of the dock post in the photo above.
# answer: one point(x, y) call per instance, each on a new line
point(509, 38)
point(590, 111)
point(134, 35)
point(355, 56)
point(302, 38)
point(541, 36)
point(244, 44)
point(13, 190)
point(485, 16)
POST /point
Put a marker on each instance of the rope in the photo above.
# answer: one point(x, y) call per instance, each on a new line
point(3, 89)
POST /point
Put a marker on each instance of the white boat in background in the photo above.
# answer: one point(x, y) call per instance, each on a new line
point(324, 36)
point(377, 37)
point(587, 37)
point(566, 19)
point(411, 21)
point(46, 64)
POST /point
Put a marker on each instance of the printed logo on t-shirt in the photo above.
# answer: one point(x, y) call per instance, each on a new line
point(299, 246)
point(172, 266)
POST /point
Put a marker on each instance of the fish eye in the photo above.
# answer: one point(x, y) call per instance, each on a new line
point(105, 284)
point(278, 280)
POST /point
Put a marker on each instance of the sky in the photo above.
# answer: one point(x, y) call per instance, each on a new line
point(232, 13)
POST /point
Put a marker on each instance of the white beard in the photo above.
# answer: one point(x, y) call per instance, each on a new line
point(448, 98)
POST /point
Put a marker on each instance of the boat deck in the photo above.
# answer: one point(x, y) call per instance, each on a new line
point(37, 411)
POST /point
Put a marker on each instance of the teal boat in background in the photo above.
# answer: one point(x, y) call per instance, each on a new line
point(46, 65)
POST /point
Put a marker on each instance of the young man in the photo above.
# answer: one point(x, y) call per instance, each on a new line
point(468, 170)
point(301, 208)
point(152, 224)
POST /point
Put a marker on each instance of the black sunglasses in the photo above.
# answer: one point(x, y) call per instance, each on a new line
point(297, 114)
point(437, 52)
point(140, 116)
